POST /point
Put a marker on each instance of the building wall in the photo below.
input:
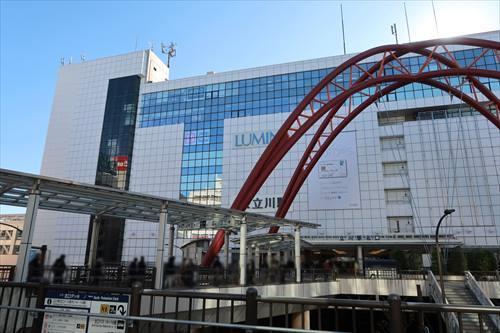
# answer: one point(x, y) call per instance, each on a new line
point(10, 238)
point(185, 148)
point(73, 138)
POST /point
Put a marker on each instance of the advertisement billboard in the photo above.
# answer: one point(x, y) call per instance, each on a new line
point(334, 181)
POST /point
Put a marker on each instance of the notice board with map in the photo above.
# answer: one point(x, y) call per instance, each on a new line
point(75, 303)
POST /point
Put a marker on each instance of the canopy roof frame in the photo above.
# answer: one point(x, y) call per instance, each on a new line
point(73, 197)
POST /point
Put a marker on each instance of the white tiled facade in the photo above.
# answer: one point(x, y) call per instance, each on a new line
point(451, 162)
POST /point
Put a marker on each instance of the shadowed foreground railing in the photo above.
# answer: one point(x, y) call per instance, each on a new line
point(154, 311)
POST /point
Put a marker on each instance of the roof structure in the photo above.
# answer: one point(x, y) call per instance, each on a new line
point(73, 197)
point(274, 241)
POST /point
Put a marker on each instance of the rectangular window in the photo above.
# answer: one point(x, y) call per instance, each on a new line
point(401, 224)
point(392, 142)
point(399, 168)
point(397, 195)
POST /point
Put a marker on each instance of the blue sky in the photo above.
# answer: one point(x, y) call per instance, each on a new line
point(217, 36)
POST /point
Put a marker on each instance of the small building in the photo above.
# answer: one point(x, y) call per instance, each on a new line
point(10, 237)
point(195, 250)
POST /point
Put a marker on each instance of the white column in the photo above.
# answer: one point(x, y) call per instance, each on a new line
point(160, 245)
point(257, 257)
point(243, 251)
point(359, 259)
point(269, 255)
point(27, 238)
point(171, 240)
point(226, 248)
point(298, 276)
point(94, 238)
point(285, 256)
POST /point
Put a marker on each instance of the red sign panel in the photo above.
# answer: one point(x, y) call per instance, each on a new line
point(121, 163)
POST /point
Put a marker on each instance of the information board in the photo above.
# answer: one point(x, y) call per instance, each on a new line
point(334, 181)
point(75, 303)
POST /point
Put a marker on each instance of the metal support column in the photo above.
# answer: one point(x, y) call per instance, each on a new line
point(94, 239)
point(160, 247)
point(359, 259)
point(243, 251)
point(298, 277)
point(226, 249)
point(257, 258)
point(171, 240)
point(23, 256)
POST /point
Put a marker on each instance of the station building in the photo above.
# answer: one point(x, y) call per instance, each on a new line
point(384, 183)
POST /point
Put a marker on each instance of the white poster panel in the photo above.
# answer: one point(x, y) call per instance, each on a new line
point(334, 181)
point(84, 302)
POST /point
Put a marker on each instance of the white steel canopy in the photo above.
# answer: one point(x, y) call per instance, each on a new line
point(73, 197)
point(275, 242)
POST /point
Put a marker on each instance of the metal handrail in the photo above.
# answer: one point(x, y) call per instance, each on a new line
point(472, 284)
point(226, 303)
point(169, 321)
point(414, 306)
point(193, 294)
point(450, 318)
point(486, 275)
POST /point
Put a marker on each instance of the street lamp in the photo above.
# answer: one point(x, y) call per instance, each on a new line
point(438, 252)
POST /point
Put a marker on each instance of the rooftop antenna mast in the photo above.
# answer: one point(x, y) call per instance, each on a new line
point(435, 18)
point(394, 31)
point(407, 24)
point(171, 51)
point(342, 19)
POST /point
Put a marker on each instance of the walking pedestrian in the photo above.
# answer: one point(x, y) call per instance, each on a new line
point(58, 269)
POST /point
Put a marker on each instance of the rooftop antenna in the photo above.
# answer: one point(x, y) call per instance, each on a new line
point(407, 24)
point(435, 18)
point(170, 51)
point(62, 61)
point(342, 19)
point(394, 31)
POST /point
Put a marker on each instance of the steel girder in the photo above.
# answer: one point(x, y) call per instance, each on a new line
point(438, 70)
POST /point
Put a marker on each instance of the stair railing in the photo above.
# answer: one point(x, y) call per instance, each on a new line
point(475, 288)
point(450, 318)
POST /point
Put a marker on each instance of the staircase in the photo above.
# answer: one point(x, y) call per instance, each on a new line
point(457, 293)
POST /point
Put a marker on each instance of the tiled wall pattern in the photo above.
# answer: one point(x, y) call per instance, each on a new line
point(72, 143)
point(449, 162)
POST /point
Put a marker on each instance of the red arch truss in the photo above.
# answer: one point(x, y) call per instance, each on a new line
point(331, 101)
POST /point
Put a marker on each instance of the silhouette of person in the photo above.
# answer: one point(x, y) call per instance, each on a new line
point(35, 269)
point(97, 272)
point(218, 270)
point(141, 270)
point(132, 271)
point(170, 272)
point(58, 269)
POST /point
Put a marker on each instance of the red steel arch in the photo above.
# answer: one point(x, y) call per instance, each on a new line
point(328, 132)
point(371, 82)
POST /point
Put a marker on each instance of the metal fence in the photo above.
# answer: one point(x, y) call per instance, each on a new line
point(486, 275)
point(162, 311)
point(7, 272)
point(109, 275)
point(118, 276)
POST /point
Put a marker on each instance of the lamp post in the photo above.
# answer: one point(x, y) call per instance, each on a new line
point(438, 252)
